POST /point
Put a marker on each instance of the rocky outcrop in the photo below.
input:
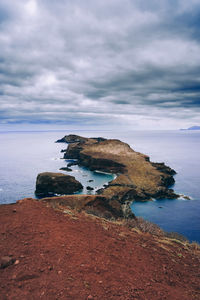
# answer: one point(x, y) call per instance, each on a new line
point(92, 204)
point(73, 151)
point(67, 169)
point(72, 163)
point(138, 179)
point(49, 183)
point(163, 168)
point(72, 138)
point(89, 188)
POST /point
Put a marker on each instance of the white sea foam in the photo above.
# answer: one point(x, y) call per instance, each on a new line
point(101, 172)
point(184, 197)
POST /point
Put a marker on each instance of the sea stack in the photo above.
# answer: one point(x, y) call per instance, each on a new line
point(49, 183)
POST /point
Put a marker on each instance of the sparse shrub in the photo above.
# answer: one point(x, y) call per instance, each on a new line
point(144, 226)
point(176, 236)
point(195, 246)
point(99, 214)
point(149, 227)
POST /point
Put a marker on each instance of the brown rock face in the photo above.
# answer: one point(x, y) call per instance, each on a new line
point(92, 204)
point(48, 183)
point(73, 138)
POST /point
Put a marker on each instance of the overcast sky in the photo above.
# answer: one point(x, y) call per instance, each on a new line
point(131, 64)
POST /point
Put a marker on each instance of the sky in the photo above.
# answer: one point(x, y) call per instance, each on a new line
point(93, 64)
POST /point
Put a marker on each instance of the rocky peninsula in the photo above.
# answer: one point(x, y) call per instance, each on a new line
point(138, 179)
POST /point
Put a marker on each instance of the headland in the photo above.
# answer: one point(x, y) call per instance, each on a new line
point(138, 179)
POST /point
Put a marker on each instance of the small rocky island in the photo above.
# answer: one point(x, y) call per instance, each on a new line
point(138, 179)
point(49, 183)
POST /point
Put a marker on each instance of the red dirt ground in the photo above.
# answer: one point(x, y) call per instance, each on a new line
point(76, 256)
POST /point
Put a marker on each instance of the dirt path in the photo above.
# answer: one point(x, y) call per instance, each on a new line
point(75, 256)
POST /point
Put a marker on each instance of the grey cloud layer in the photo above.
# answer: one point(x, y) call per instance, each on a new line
point(97, 62)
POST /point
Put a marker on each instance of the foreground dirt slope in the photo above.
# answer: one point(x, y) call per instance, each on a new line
point(76, 256)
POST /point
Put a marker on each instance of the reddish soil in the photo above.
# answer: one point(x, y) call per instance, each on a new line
point(76, 256)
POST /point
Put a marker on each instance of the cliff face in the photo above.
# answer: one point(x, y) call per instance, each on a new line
point(138, 179)
point(92, 204)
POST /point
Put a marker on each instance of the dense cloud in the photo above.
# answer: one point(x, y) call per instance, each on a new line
point(98, 62)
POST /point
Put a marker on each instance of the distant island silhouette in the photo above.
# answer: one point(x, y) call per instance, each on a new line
point(192, 128)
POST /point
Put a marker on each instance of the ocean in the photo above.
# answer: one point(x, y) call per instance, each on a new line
point(25, 154)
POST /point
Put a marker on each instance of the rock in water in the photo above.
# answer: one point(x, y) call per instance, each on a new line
point(89, 188)
point(66, 169)
point(49, 183)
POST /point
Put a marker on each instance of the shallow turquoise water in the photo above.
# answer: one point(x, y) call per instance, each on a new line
point(84, 175)
point(25, 154)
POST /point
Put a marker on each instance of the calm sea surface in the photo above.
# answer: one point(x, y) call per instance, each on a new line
point(25, 154)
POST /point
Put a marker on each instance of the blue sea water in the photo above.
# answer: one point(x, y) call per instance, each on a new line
point(25, 154)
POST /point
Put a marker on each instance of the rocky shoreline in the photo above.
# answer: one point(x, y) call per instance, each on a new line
point(138, 179)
